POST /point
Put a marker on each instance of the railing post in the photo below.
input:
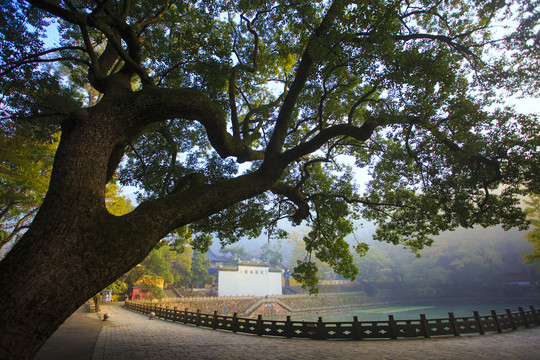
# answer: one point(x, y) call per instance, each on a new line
point(175, 317)
point(425, 325)
point(453, 321)
point(259, 325)
point(321, 335)
point(393, 327)
point(522, 313)
point(185, 315)
point(511, 318)
point(536, 319)
point(288, 327)
point(198, 321)
point(478, 322)
point(235, 322)
point(356, 329)
point(496, 319)
point(214, 324)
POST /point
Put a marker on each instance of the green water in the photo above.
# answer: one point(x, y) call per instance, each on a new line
point(413, 310)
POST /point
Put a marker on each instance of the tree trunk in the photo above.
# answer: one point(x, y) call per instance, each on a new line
point(63, 259)
point(46, 278)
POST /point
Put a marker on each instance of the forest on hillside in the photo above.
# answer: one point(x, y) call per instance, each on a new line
point(464, 263)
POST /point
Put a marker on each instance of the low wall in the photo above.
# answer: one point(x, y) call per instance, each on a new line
point(224, 305)
point(292, 304)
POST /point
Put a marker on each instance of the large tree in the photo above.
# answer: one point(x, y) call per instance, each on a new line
point(185, 91)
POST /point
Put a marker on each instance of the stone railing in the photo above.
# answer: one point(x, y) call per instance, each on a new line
point(354, 330)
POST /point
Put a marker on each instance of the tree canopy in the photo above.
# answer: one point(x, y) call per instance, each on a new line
point(233, 115)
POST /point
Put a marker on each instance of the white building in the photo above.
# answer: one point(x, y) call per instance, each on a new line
point(249, 278)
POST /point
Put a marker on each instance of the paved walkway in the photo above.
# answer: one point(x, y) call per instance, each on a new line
point(75, 339)
point(129, 335)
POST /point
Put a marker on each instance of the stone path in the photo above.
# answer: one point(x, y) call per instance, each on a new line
point(75, 339)
point(129, 335)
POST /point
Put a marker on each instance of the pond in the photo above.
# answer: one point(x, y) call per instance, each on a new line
point(412, 310)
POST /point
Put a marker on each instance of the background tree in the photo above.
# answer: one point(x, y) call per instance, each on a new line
point(187, 91)
point(199, 270)
point(533, 236)
point(164, 261)
point(236, 252)
point(272, 254)
point(25, 168)
point(466, 263)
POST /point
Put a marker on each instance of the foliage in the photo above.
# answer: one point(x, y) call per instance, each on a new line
point(118, 287)
point(533, 236)
point(308, 269)
point(159, 263)
point(25, 168)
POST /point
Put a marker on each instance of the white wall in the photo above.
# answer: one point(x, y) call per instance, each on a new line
point(249, 280)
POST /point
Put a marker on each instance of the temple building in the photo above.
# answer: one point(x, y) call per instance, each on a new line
point(249, 279)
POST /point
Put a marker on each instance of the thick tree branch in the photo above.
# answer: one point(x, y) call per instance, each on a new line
point(190, 201)
point(67, 15)
point(89, 48)
point(132, 57)
point(302, 206)
point(110, 26)
point(362, 133)
point(155, 105)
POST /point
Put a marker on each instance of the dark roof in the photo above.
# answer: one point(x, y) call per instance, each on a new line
point(252, 263)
